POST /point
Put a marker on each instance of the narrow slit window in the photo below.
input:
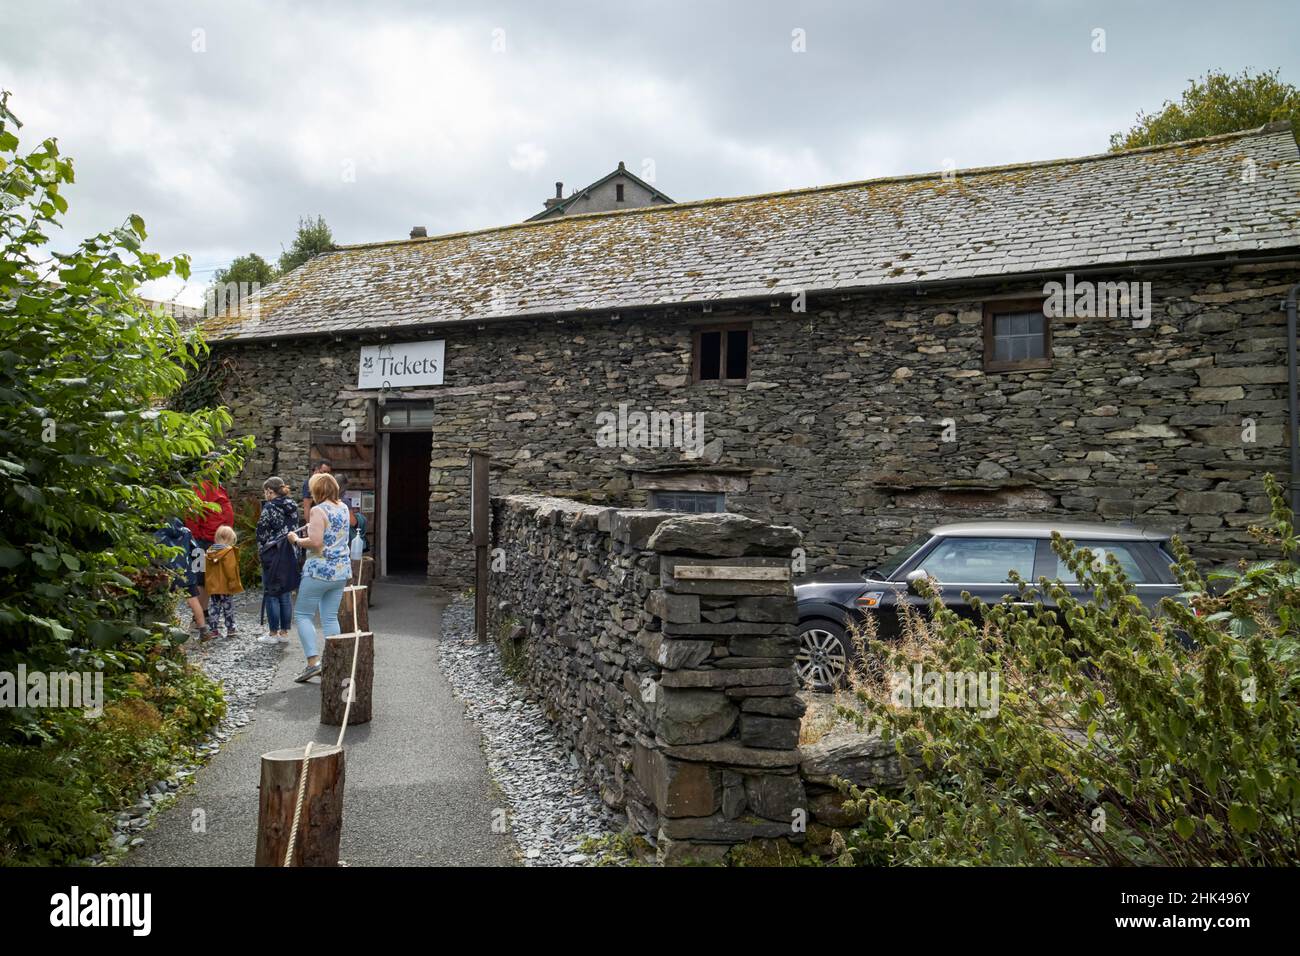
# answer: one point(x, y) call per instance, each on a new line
point(618, 191)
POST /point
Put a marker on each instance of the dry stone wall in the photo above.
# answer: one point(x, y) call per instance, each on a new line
point(663, 647)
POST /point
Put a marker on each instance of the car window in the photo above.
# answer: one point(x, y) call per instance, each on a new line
point(895, 561)
point(1123, 552)
point(980, 560)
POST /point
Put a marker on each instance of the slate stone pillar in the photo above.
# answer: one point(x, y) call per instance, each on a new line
point(722, 767)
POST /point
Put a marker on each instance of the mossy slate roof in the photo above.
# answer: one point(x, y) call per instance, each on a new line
point(1146, 205)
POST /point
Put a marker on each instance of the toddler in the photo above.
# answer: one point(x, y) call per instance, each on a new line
point(223, 580)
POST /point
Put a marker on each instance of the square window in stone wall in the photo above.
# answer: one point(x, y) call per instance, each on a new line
point(1017, 335)
point(721, 354)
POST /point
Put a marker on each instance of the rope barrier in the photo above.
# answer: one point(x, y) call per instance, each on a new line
point(297, 810)
point(347, 710)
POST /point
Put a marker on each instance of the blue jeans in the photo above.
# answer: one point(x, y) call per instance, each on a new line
point(314, 593)
point(279, 611)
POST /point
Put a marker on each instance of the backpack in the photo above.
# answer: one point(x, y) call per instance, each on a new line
point(279, 567)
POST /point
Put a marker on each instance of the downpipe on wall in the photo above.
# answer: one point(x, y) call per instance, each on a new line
point(1293, 433)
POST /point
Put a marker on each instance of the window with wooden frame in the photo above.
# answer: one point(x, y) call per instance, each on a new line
point(1017, 336)
point(721, 354)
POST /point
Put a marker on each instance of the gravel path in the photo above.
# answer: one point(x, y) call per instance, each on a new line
point(551, 807)
point(244, 669)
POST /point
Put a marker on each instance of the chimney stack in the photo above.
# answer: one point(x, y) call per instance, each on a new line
point(419, 232)
point(559, 196)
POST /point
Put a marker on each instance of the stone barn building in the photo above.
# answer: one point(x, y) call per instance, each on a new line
point(1097, 338)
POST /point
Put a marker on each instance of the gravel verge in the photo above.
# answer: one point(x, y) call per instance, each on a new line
point(552, 808)
point(244, 669)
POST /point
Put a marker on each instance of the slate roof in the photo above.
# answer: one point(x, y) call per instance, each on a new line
point(1144, 205)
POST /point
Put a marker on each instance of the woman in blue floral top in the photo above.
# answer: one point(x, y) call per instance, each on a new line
point(325, 573)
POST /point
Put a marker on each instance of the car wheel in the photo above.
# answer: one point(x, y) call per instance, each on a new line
point(822, 661)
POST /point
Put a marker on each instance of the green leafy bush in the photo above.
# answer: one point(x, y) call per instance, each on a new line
point(247, 511)
point(1118, 739)
point(92, 462)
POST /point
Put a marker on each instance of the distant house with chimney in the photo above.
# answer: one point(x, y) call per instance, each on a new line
point(618, 190)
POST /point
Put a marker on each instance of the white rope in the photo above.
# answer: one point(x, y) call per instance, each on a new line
point(347, 710)
point(297, 810)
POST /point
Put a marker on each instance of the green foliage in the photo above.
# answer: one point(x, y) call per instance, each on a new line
point(89, 467)
point(49, 813)
point(91, 464)
point(618, 849)
point(1118, 739)
point(313, 238)
point(247, 511)
point(250, 268)
point(513, 652)
point(230, 286)
point(205, 386)
point(56, 797)
point(1216, 103)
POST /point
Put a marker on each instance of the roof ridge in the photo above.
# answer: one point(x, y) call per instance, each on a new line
point(660, 209)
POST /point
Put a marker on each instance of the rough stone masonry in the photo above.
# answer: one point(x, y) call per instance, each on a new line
point(662, 646)
point(839, 430)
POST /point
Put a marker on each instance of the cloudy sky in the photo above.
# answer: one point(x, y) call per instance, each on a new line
point(222, 122)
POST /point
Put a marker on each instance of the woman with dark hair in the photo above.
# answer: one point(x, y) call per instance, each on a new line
point(279, 562)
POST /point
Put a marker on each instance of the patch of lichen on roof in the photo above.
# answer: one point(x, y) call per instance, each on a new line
point(993, 221)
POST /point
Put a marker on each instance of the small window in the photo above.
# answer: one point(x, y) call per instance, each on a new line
point(1124, 553)
point(618, 192)
point(722, 354)
point(980, 560)
point(691, 502)
point(1017, 335)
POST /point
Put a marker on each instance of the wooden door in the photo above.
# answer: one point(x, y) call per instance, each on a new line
point(354, 464)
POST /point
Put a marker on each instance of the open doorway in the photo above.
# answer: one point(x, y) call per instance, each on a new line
point(407, 524)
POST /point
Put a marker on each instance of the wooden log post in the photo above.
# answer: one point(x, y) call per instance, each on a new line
point(336, 667)
point(354, 610)
point(321, 824)
point(363, 573)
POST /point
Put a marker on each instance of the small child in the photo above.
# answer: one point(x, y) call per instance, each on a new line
point(223, 579)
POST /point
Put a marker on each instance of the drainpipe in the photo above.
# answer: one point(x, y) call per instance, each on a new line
point(1293, 432)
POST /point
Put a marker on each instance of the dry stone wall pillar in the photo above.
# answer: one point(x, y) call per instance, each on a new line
point(722, 768)
point(662, 646)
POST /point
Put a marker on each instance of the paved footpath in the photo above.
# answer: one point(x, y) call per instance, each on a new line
point(417, 791)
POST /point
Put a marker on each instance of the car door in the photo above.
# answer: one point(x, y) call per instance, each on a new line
point(1141, 562)
point(979, 565)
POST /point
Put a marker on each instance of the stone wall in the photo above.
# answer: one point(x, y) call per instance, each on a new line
point(662, 647)
point(839, 429)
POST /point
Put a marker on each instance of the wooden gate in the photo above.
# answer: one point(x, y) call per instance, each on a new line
point(356, 465)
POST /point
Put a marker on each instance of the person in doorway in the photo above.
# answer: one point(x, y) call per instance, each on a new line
point(223, 580)
point(204, 529)
point(280, 574)
point(326, 571)
point(323, 467)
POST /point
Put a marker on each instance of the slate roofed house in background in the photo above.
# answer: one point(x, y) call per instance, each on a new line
point(1238, 192)
point(618, 190)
